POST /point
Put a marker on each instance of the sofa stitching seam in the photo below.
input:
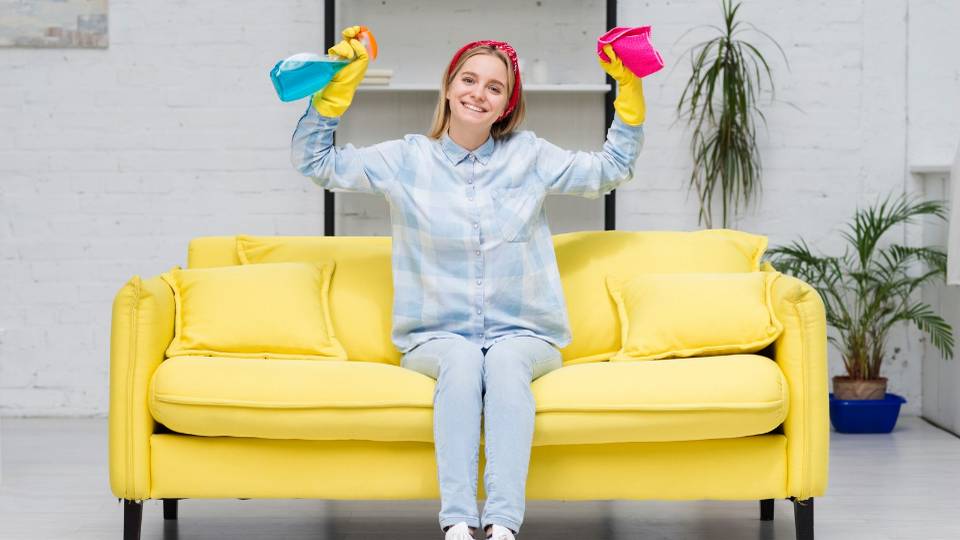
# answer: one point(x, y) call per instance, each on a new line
point(804, 367)
point(131, 372)
point(187, 400)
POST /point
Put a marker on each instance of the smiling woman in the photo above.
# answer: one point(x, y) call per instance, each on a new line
point(478, 303)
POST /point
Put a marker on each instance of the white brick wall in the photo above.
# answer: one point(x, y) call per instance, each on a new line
point(111, 160)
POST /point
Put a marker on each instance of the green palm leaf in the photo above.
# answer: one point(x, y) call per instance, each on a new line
point(941, 334)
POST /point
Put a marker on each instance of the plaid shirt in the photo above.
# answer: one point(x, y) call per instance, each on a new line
point(472, 250)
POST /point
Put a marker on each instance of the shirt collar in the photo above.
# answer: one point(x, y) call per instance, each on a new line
point(457, 153)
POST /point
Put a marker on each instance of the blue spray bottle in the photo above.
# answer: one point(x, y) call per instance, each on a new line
point(304, 74)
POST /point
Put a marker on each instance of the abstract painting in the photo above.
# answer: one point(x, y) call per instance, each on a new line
point(54, 23)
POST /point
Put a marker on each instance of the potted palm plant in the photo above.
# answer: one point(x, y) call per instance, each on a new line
point(865, 293)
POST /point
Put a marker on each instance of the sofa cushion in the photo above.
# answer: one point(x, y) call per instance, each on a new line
point(680, 315)
point(684, 399)
point(266, 311)
point(292, 399)
point(585, 259)
point(680, 400)
point(361, 293)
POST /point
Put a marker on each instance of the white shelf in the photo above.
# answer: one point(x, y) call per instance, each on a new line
point(930, 168)
point(556, 88)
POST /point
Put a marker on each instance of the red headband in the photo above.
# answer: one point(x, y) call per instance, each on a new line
point(511, 54)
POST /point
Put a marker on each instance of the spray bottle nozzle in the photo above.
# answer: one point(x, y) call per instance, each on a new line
point(369, 42)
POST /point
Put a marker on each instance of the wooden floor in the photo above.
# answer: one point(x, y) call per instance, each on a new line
point(54, 485)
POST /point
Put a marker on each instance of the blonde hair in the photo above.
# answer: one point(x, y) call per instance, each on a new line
point(500, 128)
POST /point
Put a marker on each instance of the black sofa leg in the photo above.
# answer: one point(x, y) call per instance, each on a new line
point(132, 518)
point(766, 510)
point(803, 516)
point(170, 509)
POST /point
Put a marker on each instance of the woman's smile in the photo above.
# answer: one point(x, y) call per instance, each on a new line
point(472, 107)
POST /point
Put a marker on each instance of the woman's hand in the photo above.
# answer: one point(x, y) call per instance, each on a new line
point(336, 97)
point(629, 104)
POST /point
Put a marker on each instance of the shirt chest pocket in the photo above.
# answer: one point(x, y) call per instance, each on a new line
point(515, 212)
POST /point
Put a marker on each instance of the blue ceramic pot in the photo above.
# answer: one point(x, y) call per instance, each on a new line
point(865, 415)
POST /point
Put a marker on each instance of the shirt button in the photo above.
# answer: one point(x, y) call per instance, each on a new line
point(478, 253)
point(478, 312)
point(469, 181)
point(478, 282)
point(475, 225)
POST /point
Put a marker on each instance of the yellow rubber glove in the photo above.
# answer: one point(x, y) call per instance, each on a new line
point(336, 97)
point(629, 104)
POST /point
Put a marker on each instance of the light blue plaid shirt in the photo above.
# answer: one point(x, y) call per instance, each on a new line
point(472, 251)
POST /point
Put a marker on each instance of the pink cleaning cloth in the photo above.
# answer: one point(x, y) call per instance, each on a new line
point(634, 49)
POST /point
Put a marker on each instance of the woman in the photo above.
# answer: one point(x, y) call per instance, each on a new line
point(478, 304)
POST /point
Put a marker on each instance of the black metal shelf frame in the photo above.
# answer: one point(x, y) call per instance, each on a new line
point(609, 200)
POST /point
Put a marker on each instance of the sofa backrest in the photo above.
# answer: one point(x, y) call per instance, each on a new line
point(361, 292)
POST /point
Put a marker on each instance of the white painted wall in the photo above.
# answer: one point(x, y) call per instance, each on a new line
point(112, 160)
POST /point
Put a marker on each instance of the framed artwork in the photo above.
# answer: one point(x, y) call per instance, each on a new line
point(54, 24)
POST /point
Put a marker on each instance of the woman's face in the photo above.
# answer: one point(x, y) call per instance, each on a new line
point(478, 92)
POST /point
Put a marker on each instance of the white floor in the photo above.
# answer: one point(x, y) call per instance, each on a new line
point(54, 485)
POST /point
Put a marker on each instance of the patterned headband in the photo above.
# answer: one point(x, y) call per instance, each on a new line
point(511, 54)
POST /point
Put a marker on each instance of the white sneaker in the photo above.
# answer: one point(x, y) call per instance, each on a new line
point(500, 533)
point(460, 531)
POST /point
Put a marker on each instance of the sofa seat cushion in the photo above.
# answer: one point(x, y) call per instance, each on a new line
point(672, 400)
point(682, 399)
point(292, 399)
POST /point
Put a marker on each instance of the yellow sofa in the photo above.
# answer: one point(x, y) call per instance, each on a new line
point(746, 426)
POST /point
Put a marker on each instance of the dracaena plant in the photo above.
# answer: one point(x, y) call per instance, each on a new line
point(720, 103)
point(869, 289)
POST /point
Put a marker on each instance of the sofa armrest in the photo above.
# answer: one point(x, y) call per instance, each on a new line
point(141, 330)
point(801, 353)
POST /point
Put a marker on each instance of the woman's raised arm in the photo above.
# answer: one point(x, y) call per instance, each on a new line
point(591, 174)
point(371, 169)
point(365, 170)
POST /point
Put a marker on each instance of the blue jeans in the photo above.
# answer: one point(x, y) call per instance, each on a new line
point(496, 383)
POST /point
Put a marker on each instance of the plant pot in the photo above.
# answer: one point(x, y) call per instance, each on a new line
point(865, 415)
point(850, 388)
